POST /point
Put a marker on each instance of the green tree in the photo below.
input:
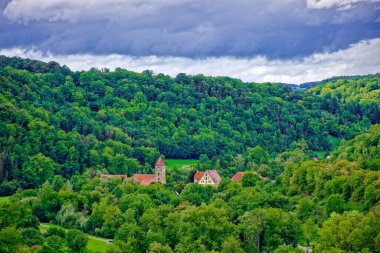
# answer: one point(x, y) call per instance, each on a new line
point(38, 169)
point(334, 203)
point(258, 155)
point(231, 245)
point(156, 247)
point(55, 244)
point(76, 240)
point(250, 179)
point(31, 236)
point(10, 239)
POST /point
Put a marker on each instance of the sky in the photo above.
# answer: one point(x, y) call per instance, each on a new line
point(291, 41)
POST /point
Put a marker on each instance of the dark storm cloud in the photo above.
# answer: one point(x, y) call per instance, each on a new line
point(190, 28)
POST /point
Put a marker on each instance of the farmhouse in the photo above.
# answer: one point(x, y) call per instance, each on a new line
point(208, 177)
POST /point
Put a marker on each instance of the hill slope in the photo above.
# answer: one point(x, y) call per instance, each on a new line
point(55, 121)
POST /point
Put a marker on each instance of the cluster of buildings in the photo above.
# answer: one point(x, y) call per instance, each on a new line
point(159, 175)
point(208, 177)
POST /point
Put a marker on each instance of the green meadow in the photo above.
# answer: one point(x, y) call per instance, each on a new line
point(180, 163)
point(95, 244)
point(4, 199)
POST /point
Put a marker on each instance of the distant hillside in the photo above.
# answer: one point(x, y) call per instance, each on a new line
point(363, 89)
point(120, 121)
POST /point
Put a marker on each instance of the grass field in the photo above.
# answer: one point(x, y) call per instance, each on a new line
point(4, 199)
point(322, 154)
point(334, 142)
point(95, 244)
point(179, 163)
point(319, 154)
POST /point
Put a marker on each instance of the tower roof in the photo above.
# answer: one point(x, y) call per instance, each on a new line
point(160, 162)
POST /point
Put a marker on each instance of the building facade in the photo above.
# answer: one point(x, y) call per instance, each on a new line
point(208, 177)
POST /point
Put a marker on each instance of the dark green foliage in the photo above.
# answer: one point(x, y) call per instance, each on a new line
point(31, 236)
point(57, 122)
point(61, 129)
point(55, 231)
point(76, 240)
point(250, 179)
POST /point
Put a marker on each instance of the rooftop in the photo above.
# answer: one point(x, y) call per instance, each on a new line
point(160, 162)
point(144, 179)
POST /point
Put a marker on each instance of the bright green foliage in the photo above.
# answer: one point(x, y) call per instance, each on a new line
point(31, 236)
point(258, 155)
point(351, 231)
point(288, 249)
point(250, 179)
point(231, 245)
point(55, 244)
point(364, 148)
point(38, 170)
point(55, 121)
point(156, 247)
point(10, 240)
point(365, 90)
point(76, 240)
point(60, 129)
point(267, 229)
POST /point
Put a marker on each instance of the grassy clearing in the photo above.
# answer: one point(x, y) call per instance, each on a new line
point(322, 154)
point(4, 199)
point(334, 142)
point(319, 154)
point(180, 163)
point(95, 244)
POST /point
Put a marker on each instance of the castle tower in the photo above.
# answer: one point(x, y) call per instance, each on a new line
point(160, 171)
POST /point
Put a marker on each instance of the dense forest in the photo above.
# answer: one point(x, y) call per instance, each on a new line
point(320, 148)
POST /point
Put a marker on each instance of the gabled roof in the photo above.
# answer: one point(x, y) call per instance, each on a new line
point(144, 179)
point(198, 175)
point(160, 162)
point(215, 177)
point(237, 177)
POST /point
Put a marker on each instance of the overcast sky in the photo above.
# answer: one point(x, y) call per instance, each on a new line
point(291, 41)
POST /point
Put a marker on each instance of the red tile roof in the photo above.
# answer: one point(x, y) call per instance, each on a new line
point(144, 179)
point(215, 176)
point(198, 175)
point(160, 162)
point(237, 177)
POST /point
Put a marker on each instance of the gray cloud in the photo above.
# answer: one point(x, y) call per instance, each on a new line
point(340, 4)
point(361, 58)
point(276, 29)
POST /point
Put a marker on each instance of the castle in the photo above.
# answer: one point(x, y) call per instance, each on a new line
point(145, 179)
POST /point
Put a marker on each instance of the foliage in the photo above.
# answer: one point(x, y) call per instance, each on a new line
point(61, 129)
point(57, 122)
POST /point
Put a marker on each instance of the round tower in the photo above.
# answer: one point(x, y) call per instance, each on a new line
point(160, 171)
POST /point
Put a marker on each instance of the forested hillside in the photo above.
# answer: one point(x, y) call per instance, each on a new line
point(60, 129)
point(328, 206)
point(57, 121)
